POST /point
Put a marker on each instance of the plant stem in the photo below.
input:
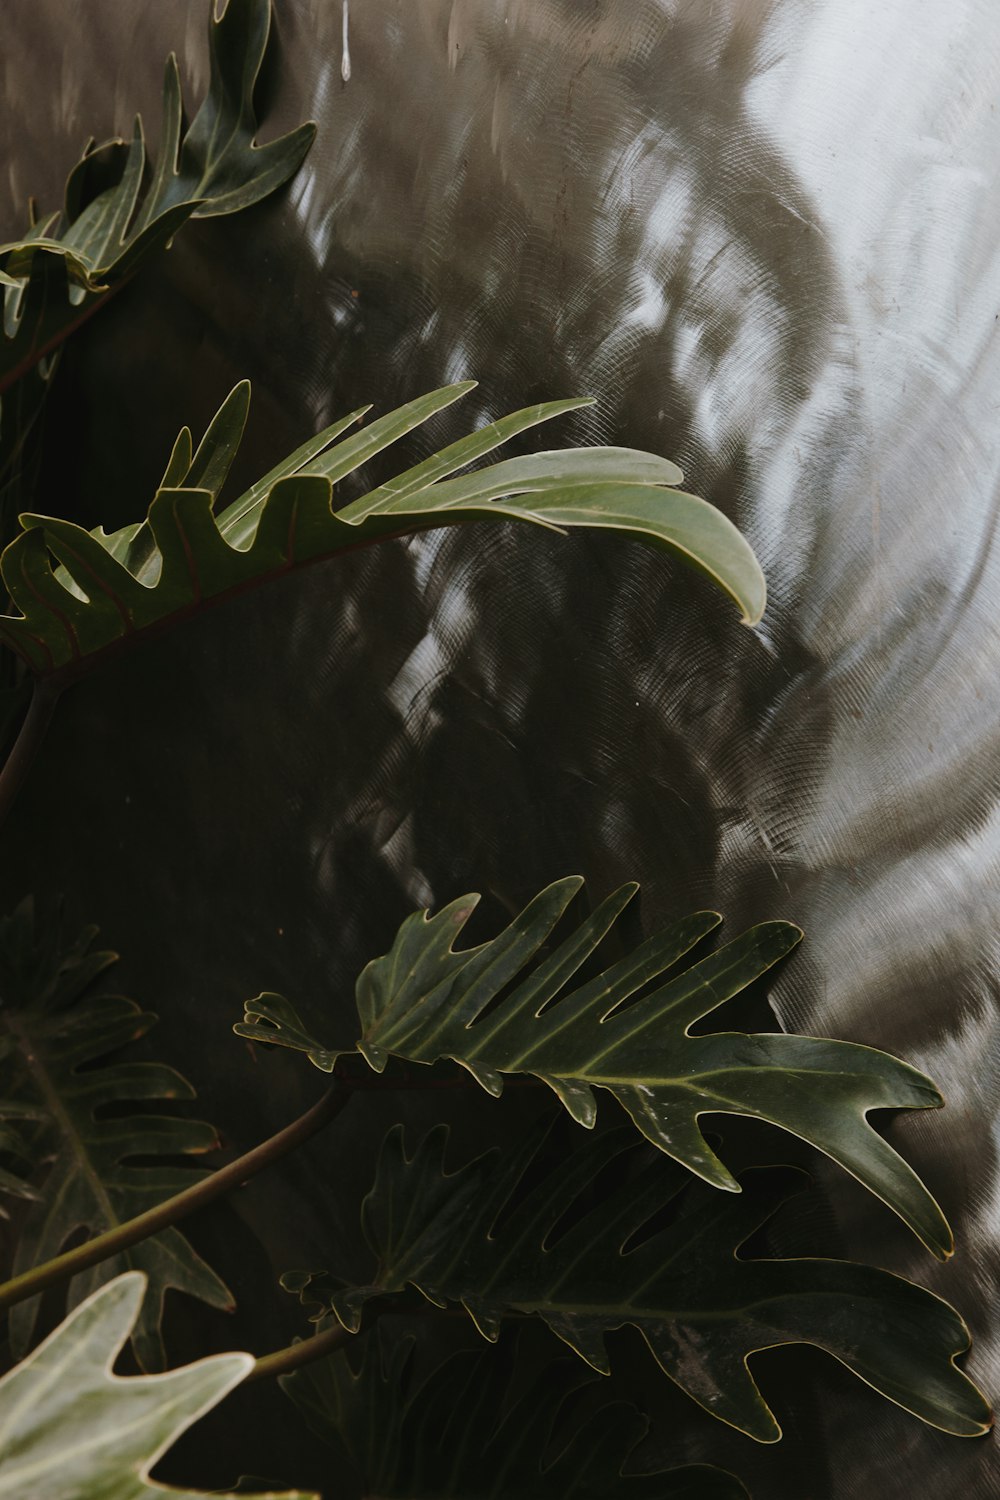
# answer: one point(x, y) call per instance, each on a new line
point(303, 1352)
point(318, 1345)
point(29, 737)
point(114, 1241)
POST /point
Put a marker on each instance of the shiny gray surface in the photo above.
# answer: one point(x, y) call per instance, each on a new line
point(765, 236)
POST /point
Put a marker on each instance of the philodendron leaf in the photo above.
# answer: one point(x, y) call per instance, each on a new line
point(480, 1238)
point(83, 594)
point(467, 1432)
point(53, 275)
point(71, 1430)
point(55, 1113)
point(424, 1001)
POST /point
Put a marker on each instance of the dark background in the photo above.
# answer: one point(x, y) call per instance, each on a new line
point(764, 236)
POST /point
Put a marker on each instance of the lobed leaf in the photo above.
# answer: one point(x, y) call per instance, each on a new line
point(70, 1428)
point(468, 1431)
point(482, 1238)
point(60, 1112)
point(82, 594)
point(508, 1006)
point(55, 272)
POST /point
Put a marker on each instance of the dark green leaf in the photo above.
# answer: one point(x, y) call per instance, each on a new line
point(467, 1431)
point(220, 169)
point(55, 272)
point(60, 1111)
point(105, 590)
point(479, 1237)
point(70, 1429)
point(211, 464)
point(424, 1001)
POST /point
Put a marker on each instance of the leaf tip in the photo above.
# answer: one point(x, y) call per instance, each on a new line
point(375, 1057)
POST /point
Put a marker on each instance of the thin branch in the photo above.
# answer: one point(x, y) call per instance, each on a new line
point(302, 1352)
point(114, 1241)
point(44, 697)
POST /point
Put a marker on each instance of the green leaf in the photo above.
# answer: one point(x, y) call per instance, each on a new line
point(482, 1238)
point(82, 594)
point(423, 1001)
point(69, 1428)
point(472, 1431)
point(221, 169)
point(54, 274)
point(59, 1111)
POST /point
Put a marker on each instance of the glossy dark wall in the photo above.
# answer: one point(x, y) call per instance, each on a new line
point(764, 236)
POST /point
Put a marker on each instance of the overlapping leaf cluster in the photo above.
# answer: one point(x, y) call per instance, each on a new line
point(608, 1235)
point(516, 1233)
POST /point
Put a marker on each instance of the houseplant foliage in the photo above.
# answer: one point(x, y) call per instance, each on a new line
point(478, 1238)
point(649, 1223)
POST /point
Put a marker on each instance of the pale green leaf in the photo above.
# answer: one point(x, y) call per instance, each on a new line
point(72, 1430)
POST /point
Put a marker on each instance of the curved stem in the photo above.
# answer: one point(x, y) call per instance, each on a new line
point(25, 747)
point(114, 1241)
point(302, 1352)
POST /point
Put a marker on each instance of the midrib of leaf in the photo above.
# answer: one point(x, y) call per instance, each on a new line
point(82, 665)
point(691, 1080)
point(60, 1115)
point(36, 353)
point(212, 156)
point(627, 1309)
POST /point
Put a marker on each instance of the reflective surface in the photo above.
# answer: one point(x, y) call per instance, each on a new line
point(764, 235)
